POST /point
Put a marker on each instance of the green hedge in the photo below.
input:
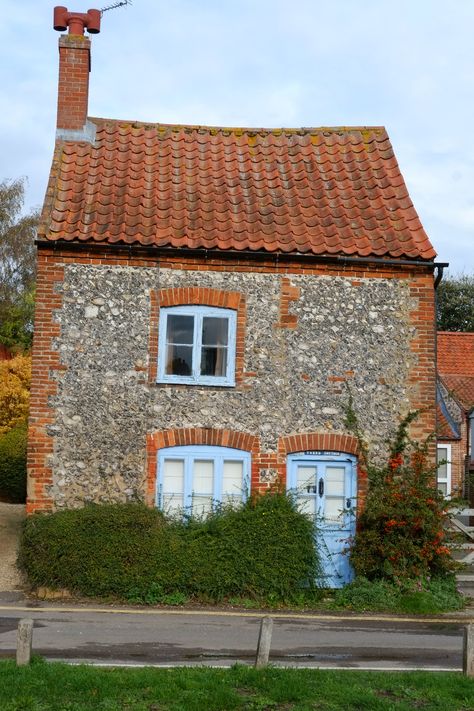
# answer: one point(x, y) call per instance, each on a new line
point(13, 464)
point(266, 547)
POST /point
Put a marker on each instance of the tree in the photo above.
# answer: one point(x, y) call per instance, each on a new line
point(455, 303)
point(17, 267)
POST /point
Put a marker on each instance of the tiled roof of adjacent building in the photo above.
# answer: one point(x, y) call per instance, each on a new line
point(455, 353)
point(317, 191)
point(456, 365)
point(462, 387)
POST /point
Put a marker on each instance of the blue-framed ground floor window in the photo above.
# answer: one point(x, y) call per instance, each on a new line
point(196, 478)
point(325, 484)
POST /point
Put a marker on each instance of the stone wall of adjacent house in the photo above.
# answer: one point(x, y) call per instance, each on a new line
point(309, 340)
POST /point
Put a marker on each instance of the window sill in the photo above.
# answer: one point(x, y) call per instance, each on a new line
point(194, 384)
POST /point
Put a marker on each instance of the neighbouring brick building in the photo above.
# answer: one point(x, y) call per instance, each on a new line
point(207, 297)
point(456, 413)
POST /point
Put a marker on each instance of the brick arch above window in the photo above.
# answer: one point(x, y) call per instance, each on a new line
point(312, 441)
point(193, 436)
point(198, 296)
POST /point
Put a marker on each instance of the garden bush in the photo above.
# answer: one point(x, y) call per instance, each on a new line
point(13, 464)
point(263, 548)
point(15, 380)
point(401, 534)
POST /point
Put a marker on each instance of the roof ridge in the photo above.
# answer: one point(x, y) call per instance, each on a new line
point(277, 130)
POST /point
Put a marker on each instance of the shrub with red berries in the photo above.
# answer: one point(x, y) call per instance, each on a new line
point(401, 530)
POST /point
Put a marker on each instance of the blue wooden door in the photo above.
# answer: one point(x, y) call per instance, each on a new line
point(325, 485)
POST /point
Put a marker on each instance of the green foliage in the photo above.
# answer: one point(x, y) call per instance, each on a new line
point(423, 597)
point(13, 464)
point(16, 325)
point(401, 529)
point(455, 303)
point(264, 548)
point(97, 550)
point(17, 267)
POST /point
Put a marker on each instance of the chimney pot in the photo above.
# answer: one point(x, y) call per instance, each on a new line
point(93, 26)
point(76, 21)
point(60, 18)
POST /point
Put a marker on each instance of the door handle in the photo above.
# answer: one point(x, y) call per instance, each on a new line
point(348, 502)
point(321, 488)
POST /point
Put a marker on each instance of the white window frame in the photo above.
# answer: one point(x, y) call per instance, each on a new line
point(190, 453)
point(447, 479)
point(198, 313)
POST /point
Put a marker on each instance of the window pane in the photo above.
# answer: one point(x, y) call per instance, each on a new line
point(201, 505)
point(173, 476)
point(443, 471)
point(307, 504)
point(335, 481)
point(203, 476)
point(180, 329)
point(442, 468)
point(214, 361)
point(172, 485)
point(214, 331)
point(172, 503)
point(179, 360)
point(232, 479)
point(442, 453)
point(443, 487)
point(306, 479)
point(334, 508)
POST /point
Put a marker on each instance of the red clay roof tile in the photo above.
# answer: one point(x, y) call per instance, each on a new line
point(462, 387)
point(456, 365)
point(310, 191)
point(455, 353)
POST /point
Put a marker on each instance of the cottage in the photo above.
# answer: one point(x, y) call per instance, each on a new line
point(455, 413)
point(207, 299)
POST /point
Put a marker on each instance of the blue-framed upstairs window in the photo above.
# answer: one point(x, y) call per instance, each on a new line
point(195, 478)
point(197, 345)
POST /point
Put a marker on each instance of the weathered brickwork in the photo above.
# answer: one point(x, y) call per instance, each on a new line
point(307, 335)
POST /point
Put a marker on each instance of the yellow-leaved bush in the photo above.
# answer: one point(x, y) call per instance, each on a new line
point(15, 380)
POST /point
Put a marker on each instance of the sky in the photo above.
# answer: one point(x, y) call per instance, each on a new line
point(405, 64)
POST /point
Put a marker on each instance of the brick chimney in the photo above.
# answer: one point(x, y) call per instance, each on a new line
point(74, 68)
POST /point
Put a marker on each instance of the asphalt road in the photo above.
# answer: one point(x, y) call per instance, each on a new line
point(159, 637)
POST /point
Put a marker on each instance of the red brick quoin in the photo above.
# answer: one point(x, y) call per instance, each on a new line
point(194, 295)
point(45, 370)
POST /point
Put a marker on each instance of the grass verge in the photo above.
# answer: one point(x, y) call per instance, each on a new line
point(58, 687)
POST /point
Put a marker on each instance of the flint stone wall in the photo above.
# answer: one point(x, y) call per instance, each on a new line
point(105, 408)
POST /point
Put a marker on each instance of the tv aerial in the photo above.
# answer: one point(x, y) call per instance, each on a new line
point(119, 3)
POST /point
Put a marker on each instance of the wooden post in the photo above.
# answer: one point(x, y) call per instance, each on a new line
point(264, 642)
point(24, 641)
point(468, 651)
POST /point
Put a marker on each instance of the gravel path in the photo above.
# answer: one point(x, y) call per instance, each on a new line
point(11, 518)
